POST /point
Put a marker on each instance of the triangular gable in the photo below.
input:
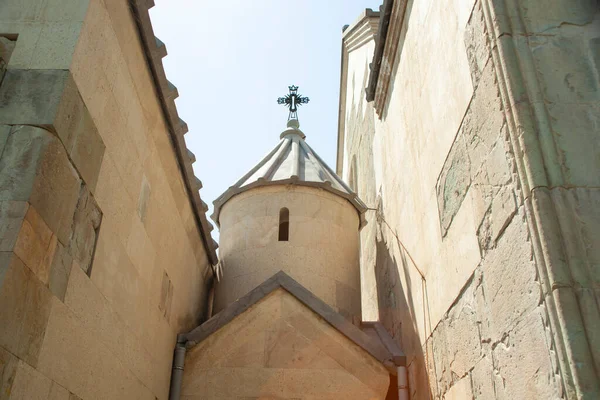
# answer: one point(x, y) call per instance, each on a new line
point(281, 280)
point(279, 348)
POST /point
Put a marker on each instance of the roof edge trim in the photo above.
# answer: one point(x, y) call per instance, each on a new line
point(154, 50)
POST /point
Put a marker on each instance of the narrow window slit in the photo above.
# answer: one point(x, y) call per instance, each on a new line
point(284, 224)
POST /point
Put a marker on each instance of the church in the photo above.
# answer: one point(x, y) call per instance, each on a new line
point(450, 253)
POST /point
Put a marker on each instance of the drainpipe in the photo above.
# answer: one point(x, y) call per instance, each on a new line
point(177, 373)
point(402, 384)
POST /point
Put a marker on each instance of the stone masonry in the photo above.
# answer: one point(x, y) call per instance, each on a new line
point(479, 249)
point(96, 209)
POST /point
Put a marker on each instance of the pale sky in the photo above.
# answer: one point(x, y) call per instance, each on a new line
point(231, 60)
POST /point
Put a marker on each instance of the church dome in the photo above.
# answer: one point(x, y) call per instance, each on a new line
point(293, 162)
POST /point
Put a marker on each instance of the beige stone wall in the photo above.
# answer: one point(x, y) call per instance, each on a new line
point(321, 254)
point(101, 260)
point(477, 259)
point(281, 349)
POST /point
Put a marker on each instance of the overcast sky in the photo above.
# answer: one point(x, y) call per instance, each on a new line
point(231, 60)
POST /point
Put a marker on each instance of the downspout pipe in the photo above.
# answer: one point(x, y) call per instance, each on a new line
point(178, 365)
point(402, 383)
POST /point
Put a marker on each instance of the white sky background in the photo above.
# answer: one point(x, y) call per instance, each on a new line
point(231, 60)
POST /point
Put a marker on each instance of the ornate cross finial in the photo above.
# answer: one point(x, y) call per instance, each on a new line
point(293, 100)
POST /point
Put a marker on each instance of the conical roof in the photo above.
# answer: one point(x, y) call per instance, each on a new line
point(294, 162)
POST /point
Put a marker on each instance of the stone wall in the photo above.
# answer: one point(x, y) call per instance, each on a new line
point(102, 261)
point(478, 255)
point(321, 253)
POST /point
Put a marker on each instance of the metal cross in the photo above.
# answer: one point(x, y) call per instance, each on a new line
point(293, 100)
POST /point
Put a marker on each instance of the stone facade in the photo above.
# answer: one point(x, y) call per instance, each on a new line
point(475, 156)
point(279, 348)
point(96, 212)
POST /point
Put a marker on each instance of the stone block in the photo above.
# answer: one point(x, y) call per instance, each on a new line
point(82, 363)
point(24, 309)
point(88, 150)
point(24, 149)
point(453, 183)
point(461, 390)
point(35, 167)
point(476, 44)
point(4, 132)
point(29, 384)
point(58, 392)
point(60, 270)
point(501, 212)
point(510, 279)
point(12, 214)
point(482, 379)
point(86, 222)
point(57, 43)
point(13, 297)
point(522, 364)
point(36, 244)
point(8, 369)
point(31, 97)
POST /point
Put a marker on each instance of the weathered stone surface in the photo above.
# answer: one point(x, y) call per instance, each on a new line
point(510, 279)
point(522, 362)
point(60, 270)
point(35, 167)
point(58, 392)
point(7, 46)
point(12, 214)
point(482, 379)
point(453, 183)
point(476, 44)
point(31, 96)
point(24, 149)
point(86, 222)
point(461, 390)
point(4, 132)
point(8, 369)
point(29, 384)
point(88, 150)
point(24, 309)
point(36, 244)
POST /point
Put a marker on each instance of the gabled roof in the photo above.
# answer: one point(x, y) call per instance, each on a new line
point(380, 346)
point(292, 161)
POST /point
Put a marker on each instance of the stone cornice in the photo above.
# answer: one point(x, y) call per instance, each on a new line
point(362, 31)
point(388, 36)
point(154, 51)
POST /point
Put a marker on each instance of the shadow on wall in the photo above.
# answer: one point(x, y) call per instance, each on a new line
point(397, 311)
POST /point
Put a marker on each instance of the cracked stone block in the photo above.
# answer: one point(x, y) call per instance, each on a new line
point(502, 209)
point(522, 365)
point(461, 390)
point(86, 222)
point(541, 16)
point(476, 44)
point(453, 183)
point(510, 279)
point(482, 379)
point(483, 123)
point(35, 167)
